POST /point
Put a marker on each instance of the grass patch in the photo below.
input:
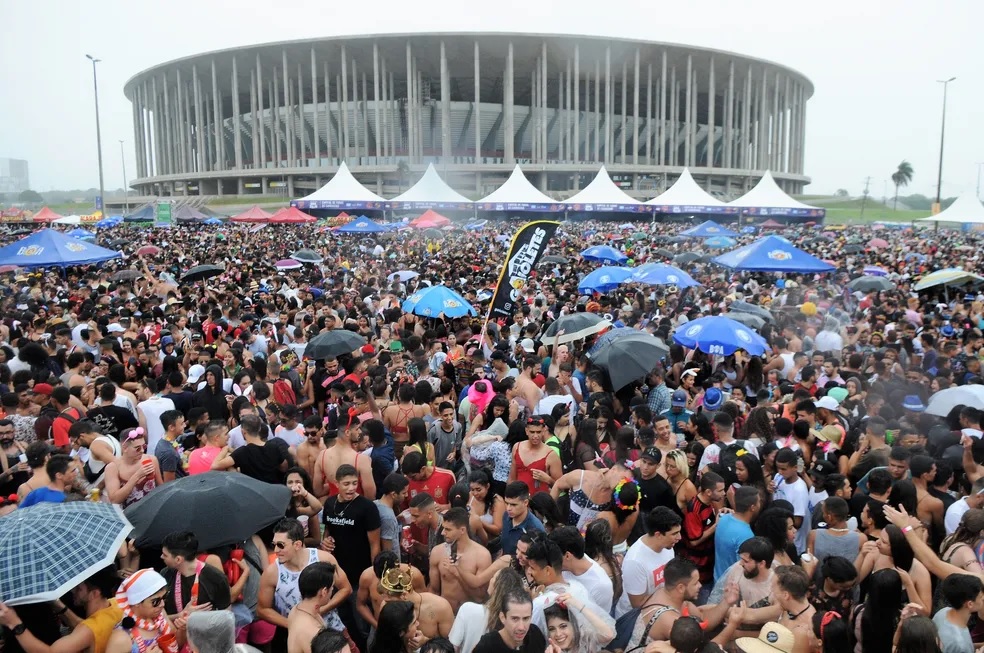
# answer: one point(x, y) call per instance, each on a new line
point(872, 213)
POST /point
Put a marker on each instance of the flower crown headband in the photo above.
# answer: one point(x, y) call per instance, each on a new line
point(617, 499)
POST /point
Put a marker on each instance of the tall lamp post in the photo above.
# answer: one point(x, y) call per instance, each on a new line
point(99, 152)
point(939, 174)
point(126, 192)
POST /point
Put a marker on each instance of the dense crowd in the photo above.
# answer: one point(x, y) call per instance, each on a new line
point(460, 485)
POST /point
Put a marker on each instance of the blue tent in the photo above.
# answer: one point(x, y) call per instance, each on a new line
point(49, 248)
point(772, 254)
point(708, 229)
point(80, 233)
point(211, 221)
point(362, 225)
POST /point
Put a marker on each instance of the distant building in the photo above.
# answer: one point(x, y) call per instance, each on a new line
point(13, 176)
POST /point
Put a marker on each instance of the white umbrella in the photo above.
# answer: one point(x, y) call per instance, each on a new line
point(941, 403)
point(403, 275)
point(69, 219)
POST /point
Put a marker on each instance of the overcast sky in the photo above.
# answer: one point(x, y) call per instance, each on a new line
point(874, 64)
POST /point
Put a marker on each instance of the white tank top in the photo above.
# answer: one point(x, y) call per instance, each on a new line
point(286, 595)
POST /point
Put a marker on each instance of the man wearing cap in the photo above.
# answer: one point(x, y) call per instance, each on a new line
point(42, 398)
point(831, 430)
point(678, 415)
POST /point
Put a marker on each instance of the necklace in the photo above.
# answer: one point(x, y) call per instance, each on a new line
point(793, 617)
point(347, 505)
point(314, 616)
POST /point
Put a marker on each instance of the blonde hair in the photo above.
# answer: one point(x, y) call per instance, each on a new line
point(679, 458)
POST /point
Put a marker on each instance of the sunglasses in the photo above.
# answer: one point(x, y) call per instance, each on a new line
point(279, 546)
point(158, 601)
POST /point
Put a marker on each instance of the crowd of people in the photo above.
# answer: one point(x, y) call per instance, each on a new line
point(462, 485)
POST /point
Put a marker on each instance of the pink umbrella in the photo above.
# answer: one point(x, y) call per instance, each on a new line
point(148, 250)
point(4, 269)
point(877, 242)
point(288, 264)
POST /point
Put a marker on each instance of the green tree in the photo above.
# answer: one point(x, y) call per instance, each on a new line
point(841, 192)
point(901, 178)
point(30, 197)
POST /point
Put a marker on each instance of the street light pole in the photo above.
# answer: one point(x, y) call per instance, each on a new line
point(99, 152)
point(126, 192)
point(939, 174)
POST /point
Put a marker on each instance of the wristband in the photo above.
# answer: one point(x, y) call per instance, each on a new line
point(907, 529)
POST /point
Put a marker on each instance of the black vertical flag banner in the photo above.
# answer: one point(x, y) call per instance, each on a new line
point(525, 251)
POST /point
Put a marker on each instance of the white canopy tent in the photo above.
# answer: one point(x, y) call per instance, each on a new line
point(69, 219)
point(685, 196)
point(602, 195)
point(966, 209)
point(343, 191)
point(430, 191)
point(518, 194)
point(767, 199)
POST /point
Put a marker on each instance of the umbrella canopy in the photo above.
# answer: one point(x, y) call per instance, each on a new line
point(660, 274)
point(708, 229)
point(575, 326)
point(946, 277)
point(433, 234)
point(69, 219)
point(875, 271)
point(553, 259)
point(686, 258)
point(403, 275)
point(333, 343)
point(118, 243)
point(748, 319)
point(49, 248)
point(362, 226)
point(438, 300)
point(211, 221)
point(772, 254)
point(4, 269)
point(288, 264)
point(629, 358)
point(220, 508)
point(941, 403)
point(852, 249)
point(48, 549)
point(878, 243)
point(127, 275)
point(744, 307)
point(609, 336)
point(720, 242)
point(253, 214)
point(665, 253)
point(868, 283)
point(604, 279)
point(80, 233)
point(307, 256)
point(200, 272)
point(719, 335)
point(149, 250)
point(639, 235)
point(604, 254)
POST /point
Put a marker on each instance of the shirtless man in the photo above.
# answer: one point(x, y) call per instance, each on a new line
point(309, 450)
point(790, 586)
point(434, 613)
point(929, 509)
point(524, 382)
point(676, 598)
point(369, 600)
point(344, 451)
point(665, 440)
point(454, 567)
point(316, 584)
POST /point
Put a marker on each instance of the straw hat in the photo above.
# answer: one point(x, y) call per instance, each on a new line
point(772, 638)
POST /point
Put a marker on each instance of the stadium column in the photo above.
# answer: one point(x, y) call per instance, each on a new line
point(138, 131)
point(746, 106)
point(635, 114)
point(343, 106)
point(376, 102)
point(418, 93)
point(166, 128)
point(784, 128)
point(729, 117)
point(275, 109)
point(564, 105)
point(576, 150)
point(302, 157)
point(673, 108)
point(531, 127)
point(288, 130)
point(316, 107)
point(477, 120)
point(354, 124)
point(649, 114)
point(802, 132)
point(544, 105)
point(188, 136)
point(445, 106)
point(217, 122)
point(180, 124)
point(688, 125)
point(254, 119)
point(386, 96)
point(509, 135)
point(609, 110)
point(661, 126)
point(394, 112)
point(259, 117)
point(711, 127)
point(411, 138)
point(622, 128)
point(597, 111)
point(774, 131)
point(763, 142)
point(365, 112)
point(328, 114)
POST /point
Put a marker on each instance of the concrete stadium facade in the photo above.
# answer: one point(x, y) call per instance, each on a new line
point(278, 118)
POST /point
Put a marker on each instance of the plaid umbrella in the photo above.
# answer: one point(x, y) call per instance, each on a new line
point(48, 549)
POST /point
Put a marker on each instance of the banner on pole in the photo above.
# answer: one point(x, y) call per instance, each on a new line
point(525, 251)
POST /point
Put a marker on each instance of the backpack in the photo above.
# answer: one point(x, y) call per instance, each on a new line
point(625, 625)
point(728, 458)
point(564, 451)
point(283, 393)
point(66, 415)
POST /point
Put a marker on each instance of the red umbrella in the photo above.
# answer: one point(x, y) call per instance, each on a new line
point(4, 269)
point(148, 250)
point(877, 242)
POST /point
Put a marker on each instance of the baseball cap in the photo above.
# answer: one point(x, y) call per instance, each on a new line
point(772, 638)
point(653, 455)
point(913, 403)
point(713, 399)
point(42, 389)
point(679, 398)
point(115, 328)
point(827, 402)
point(823, 468)
point(528, 346)
point(195, 373)
point(167, 340)
point(368, 350)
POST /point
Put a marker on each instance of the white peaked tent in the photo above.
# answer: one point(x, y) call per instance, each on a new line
point(603, 195)
point(430, 191)
point(966, 209)
point(518, 194)
point(766, 198)
point(343, 191)
point(685, 196)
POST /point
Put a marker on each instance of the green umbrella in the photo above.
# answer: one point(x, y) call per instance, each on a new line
point(639, 235)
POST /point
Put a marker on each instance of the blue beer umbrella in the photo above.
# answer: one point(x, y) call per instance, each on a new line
point(660, 274)
point(604, 279)
point(604, 254)
point(437, 300)
point(720, 242)
point(719, 335)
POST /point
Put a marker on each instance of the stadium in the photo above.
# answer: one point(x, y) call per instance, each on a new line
point(280, 118)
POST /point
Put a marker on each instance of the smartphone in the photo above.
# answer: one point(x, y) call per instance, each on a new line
point(800, 465)
point(22, 458)
point(453, 552)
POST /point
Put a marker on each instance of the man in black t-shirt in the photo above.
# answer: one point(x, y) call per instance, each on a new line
point(519, 634)
point(262, 459)
point(653, 488)
point(200, 583)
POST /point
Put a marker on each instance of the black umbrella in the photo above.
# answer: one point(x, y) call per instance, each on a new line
point(852, 249)
point(754, 309)
point(751, 320)
point(686, 258)
point(433, 234)
point(869, 282)
point(218, 507)
point(127, 275)
point(630, 358)
point(333, 343)
point(307, 256)
point(665, 253)
point(575, 327)
point(118, 243)
point(553, 258)
point(200, 272)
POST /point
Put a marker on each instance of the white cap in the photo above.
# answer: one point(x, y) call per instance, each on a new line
point(827, 402)
point(195, 373)
point(528, 346)
point(115, 328)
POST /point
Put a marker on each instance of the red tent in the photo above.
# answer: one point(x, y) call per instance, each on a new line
point(429, 219)
point(45, 215)
point(771, 224)
point(254, 214)
point(291, 215)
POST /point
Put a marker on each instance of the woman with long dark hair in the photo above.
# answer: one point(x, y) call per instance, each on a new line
point(485, 504)
point(918, 634)
point(748, 472)
point(622, 513)
point(891, 551)
point(607, 429)
point(776, 525)
point(598, 546)
point(875, 620)
point(959, 548)
point(417, 428)
point(759, 426)
point(587, 451)
point(832, 631)
point(397, 629)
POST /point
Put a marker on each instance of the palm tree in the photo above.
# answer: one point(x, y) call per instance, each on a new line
point(901, 178)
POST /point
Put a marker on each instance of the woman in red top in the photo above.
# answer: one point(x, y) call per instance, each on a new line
point(534, 462)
